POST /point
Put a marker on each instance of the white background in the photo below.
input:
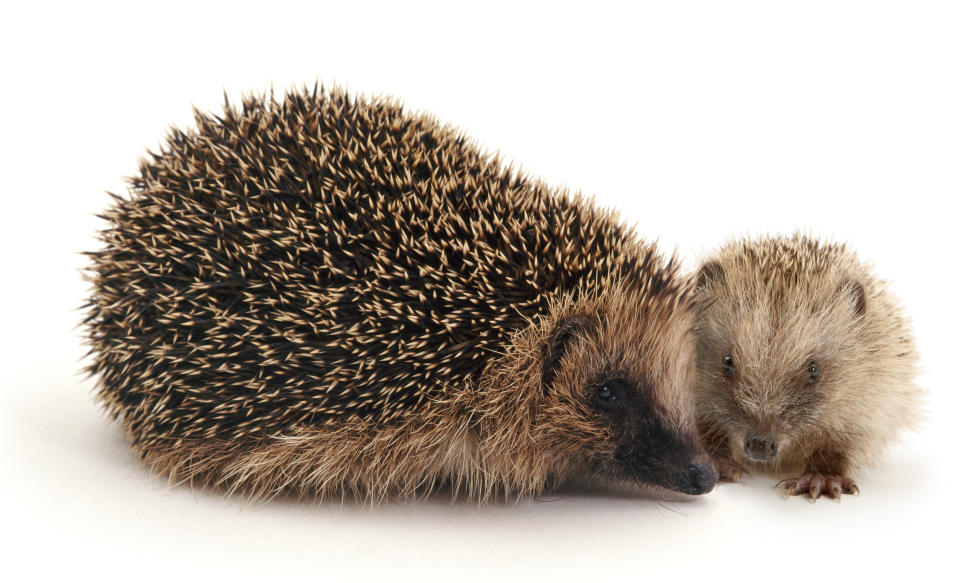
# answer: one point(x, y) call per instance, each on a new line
point(697, 120)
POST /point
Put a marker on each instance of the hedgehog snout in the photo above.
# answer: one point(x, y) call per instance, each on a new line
point(699, 477)
point(760, 448)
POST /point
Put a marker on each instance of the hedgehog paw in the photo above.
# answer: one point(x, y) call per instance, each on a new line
point(728, 470)
point(814, 485)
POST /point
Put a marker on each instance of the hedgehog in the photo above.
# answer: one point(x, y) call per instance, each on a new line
point(805, 363)
point(328, 295)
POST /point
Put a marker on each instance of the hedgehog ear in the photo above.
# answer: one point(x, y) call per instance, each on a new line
point(854, 290)
point(710, 272)
point(557, 343)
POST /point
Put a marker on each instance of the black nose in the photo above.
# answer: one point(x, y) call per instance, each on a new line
point(760, 448)
point(698, 478)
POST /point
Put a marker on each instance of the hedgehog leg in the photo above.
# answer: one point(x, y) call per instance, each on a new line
point(814, 485)
point(825, 476)
point(716, 445)
point(728, 470)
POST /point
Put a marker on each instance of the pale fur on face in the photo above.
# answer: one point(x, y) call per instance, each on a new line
point(779, 304)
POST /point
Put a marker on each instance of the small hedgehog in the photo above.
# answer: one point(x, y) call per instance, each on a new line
point(328, 295)
point(805, 363)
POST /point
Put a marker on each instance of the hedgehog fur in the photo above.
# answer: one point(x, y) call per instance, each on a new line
point(806, 362)
point(329, 295)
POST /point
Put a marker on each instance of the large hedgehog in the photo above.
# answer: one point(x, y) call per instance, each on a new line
point(329, 295)
point(806, 363)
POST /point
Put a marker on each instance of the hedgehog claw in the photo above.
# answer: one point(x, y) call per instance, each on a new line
point(815, 489)
point(814, 485)
point(835, 491)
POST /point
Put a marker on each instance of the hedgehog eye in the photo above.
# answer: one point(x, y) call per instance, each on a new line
point(727, 364)
point(607, 397)
point(813, 371)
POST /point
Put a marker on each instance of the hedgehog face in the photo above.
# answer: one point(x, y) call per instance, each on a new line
point(646, 447)
point(616, 394)
point(770, 359)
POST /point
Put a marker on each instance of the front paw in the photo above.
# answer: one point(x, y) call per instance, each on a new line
point(728, 470)
point(815, 484)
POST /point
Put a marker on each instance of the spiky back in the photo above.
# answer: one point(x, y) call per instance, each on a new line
point(297, 261)
point(789, 262)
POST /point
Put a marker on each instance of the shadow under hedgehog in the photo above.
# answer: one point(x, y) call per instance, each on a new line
point(328, 295)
